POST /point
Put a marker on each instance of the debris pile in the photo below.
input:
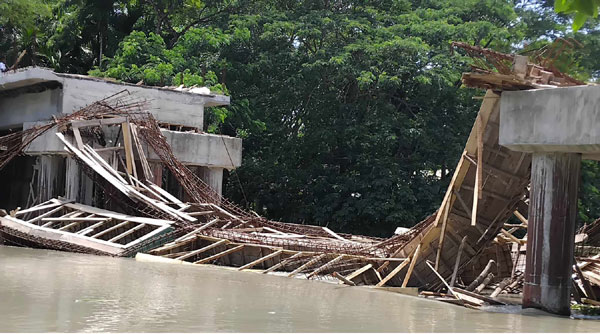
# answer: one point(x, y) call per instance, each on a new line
point(470, 252)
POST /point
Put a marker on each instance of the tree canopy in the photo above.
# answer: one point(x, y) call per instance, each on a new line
point(352, 112)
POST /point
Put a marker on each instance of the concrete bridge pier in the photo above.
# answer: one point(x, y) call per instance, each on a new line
point(551, 231)
point(560, 127)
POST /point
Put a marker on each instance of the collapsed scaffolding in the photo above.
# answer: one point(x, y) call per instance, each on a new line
point(465, 248)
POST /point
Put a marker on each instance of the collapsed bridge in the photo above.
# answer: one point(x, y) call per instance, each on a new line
point(116, 142)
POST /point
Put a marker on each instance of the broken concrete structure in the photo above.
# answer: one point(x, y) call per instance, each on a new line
point(558, 126)
point(33, 96)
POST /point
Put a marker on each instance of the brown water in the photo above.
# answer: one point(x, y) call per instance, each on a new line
point(53, 291)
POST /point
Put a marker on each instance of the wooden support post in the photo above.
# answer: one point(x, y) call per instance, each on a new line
point(261, 260)
point(457, 262)
point(394, 272)
point(128, 147)
point(283, 263)
point(442, 235)
point(307, 264)
point(219, 255)
point(514, 268)
point(326, 265)
point(413, 262)
point(202, 250)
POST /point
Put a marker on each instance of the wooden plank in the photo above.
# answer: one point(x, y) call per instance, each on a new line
point(74, 219)
point(442, 235)
point(326, 265)
point(441, 279)
point(333, 234)
point(310, 262)
point(284, 262)
point(359, 271)
point(77, 136)
point(128, 232)
point(394, 272)
point(478, 296)
point(261, 260)
point(343, 279)
point(480, 128)
point(216, 256)
point(37, 208)
point(128, 148)
point(413, 262)
point(202, 250)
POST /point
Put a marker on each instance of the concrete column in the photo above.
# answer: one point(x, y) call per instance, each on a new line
point(50, 177)
point(72, 177)
point(551, 231)
point(213, 176)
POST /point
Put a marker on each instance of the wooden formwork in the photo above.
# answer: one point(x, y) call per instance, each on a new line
point(488, 184)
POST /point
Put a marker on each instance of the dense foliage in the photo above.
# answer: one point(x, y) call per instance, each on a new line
point(352, 112)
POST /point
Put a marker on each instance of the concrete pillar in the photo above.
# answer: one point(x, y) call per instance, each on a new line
point(50, 177)
point(551, 231)
point(72, 177)
point(213, 176)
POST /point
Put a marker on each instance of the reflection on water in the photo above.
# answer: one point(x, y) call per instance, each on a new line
point(53, 291)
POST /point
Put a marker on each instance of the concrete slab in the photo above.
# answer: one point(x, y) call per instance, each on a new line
point(72, 92)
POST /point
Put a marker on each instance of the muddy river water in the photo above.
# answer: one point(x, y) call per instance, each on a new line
point(44, 290)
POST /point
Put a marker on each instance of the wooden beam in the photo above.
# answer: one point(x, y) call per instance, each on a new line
point(333, 234)
point(216, 256)
point(77, 135)
point(328, 264)
point(202, 250)
point(359, 271)
point(110, 229)
point(283, 263)
point(90, 228)
point(343, 279)
point(413, 262)
point(35, 219)
point(203, 227)
point(128, 232)
point(262, 259)
point(394, 272)
point(307, 264)
point(520, 216)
